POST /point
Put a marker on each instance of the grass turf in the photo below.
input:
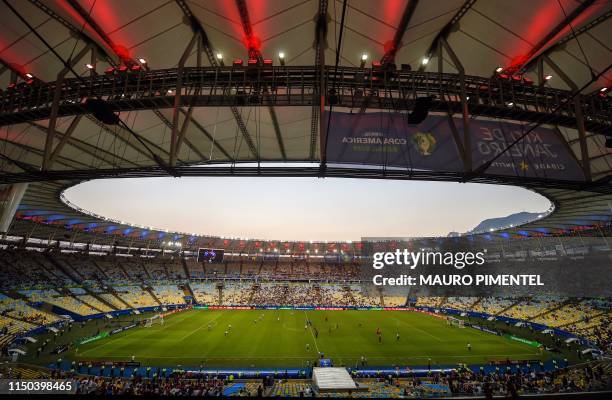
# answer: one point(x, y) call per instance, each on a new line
point(281, 339)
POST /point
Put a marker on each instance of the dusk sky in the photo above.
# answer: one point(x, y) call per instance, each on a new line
point(302, 208)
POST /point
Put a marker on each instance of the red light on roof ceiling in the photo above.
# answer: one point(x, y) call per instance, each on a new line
point(267, 61)
point(389, 46)
point(517, 77)
point(109, 70)
point(122, 68)
point(121, 51)
point(252, 43)
point(136, 68)
point(238, 62)
point(376, 64)
point(252, 62)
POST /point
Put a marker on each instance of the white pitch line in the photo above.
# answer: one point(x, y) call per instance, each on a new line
point(197, 329)
point(418, 329)
point(312, 333)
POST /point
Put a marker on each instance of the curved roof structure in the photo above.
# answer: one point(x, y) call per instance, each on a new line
point(161, 87)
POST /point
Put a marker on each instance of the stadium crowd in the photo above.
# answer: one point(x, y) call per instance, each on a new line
point(33, 283)
point(459, 382)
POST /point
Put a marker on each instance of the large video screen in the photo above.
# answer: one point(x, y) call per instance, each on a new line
point(211, 256)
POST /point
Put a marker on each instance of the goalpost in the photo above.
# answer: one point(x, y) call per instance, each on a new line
point(455, 322)
point(156, 319)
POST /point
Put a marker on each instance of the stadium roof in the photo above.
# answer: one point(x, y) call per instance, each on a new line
point(47, 41)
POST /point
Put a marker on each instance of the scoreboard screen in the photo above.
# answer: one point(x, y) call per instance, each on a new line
point(210, 255)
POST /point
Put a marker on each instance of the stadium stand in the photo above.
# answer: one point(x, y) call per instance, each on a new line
point(169, 294)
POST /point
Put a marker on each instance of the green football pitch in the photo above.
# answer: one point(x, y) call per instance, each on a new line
point(282, 338)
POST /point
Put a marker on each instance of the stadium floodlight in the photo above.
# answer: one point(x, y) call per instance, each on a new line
point(281, 57)
point(142, 61)
point(548, 77)
point(29, 75)
point(603, 89)
point(425, 61)
point(499, 69)
point(89, 66)
point(363, 58)
point(220, 58)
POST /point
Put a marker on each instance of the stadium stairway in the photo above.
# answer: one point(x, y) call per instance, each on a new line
point(72, 275)
point(478, 301)
point(67, 292)
point(514, 304)
point(152, 293)
point(112, 291)
point(186, 269)
point(187, 291)
point(100, 269)
point(20, 319)
point(553, 309)
point(100, 299)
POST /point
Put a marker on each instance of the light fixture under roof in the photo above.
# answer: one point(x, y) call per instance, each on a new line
point(29, 75)
point(364, 56)
point(281, 55)
point(219, 56)
point(548, 77)
point(603, 89)
point(89, 66)
point(425, 61)
point(499, 69)
point(142, 61)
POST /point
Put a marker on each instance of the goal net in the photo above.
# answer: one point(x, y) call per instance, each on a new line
point(156, 319)
point(455, 322)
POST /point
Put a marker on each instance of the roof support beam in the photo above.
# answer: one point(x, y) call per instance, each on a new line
point(318, 104)
point(465, 115)
point(175, 139)
point(76, 31)
point(579, 115)
point(448, 28)
point(59, 147)
point(389, 56)
point(85, 147)
point(209, 137)
point(55, 106)
point(255, 53)
point(197, 27)
point(529, 59)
